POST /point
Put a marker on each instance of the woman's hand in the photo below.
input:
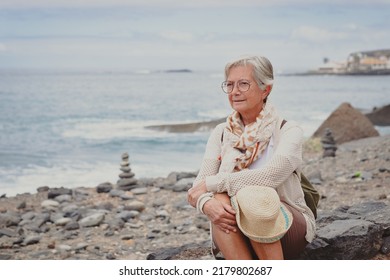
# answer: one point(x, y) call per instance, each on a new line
point(195, 192)
point(221, 214)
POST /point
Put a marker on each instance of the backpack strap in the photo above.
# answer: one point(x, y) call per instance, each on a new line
point(311, 195)
point(283, 123)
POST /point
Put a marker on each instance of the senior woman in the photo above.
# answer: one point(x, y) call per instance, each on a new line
point(248, 183)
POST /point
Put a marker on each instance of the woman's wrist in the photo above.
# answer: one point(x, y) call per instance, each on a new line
point(206, 206)
point(203, 198)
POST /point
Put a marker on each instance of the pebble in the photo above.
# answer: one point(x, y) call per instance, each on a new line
point(104, 187)
point(50, 204)
point(81, 246)
point(92, 220)
point(72, 226)
point(64, 247)
point(7, 232)
point(116, 192)
point(31, 239)
point(62, 221)
point(128, 215)
point(63, 198)
point(126, 196)
point(138, 191)
point(135, 205)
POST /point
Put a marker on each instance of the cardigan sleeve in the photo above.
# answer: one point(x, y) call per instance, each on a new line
point(286, 158)
point(211, 159)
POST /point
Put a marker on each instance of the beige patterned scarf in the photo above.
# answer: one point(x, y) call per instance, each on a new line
point(252, 139)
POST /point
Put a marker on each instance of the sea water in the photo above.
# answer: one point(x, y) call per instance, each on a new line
point(70, 128)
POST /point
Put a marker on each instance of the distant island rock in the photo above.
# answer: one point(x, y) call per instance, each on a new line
point(178, 71)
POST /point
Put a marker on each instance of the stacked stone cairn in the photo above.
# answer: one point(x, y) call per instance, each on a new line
point(328, 144)
point(126, 180)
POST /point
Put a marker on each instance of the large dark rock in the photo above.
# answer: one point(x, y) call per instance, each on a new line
point(359, 232)
point(347, 124)
point(380, 116)
point(346, 240)
point(190, 251)
point(351, 233)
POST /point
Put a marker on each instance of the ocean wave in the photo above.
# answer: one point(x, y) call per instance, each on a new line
point(64, 174)
point(124, 129)
point(187, 127)
point(109, 129)
point(72, 173)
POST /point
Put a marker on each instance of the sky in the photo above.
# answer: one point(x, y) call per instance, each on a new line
point(176, 34)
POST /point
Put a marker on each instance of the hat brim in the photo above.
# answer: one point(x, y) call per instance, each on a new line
point(282, 225)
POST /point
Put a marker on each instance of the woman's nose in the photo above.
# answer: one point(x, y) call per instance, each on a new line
point(235, 90)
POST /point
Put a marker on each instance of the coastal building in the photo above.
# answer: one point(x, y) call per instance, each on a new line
point(358, 63)
point(332, 67)
point(369, 62)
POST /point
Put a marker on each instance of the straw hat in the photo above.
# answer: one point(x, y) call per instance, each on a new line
point(260, 215)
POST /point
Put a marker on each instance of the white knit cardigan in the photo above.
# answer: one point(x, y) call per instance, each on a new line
point(278, 173)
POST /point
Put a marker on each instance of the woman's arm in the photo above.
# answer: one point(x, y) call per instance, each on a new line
point(197, 195)
point(211, 159)
point(286, 158)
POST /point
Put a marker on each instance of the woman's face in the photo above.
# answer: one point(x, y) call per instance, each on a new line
point(248, 103)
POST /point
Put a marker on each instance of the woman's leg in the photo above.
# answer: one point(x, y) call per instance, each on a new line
point(268, 251)
point(233, 245)
point(294, 241)
point(291, 244)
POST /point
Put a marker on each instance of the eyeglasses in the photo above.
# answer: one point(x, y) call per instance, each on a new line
point(242, 85)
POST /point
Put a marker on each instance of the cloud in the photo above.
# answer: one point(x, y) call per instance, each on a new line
point(351, 26)
point(177, 36)
point(20, 4)
point(3, 47)
point(121, 3)
point(155, 35)
point(317, 35)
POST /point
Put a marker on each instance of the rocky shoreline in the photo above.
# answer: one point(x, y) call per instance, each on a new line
point(113, 222)
point(138, 219)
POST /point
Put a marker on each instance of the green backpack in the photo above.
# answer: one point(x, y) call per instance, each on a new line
point(312, 196)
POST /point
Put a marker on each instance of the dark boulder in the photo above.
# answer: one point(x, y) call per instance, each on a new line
point(359, 232)
point(347, 124)
point(380, 116)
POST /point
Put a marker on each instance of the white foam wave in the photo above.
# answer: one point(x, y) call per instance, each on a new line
point(110, 129)
point(70, 175)
point(75, 173)
point(117, 129)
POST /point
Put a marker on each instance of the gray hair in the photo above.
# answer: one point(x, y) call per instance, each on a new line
point(263, 72)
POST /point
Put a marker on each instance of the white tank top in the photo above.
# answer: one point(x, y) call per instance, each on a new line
point(267, 154)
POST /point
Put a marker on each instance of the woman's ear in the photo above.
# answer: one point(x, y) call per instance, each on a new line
point(267, 91)
point(268, 88)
